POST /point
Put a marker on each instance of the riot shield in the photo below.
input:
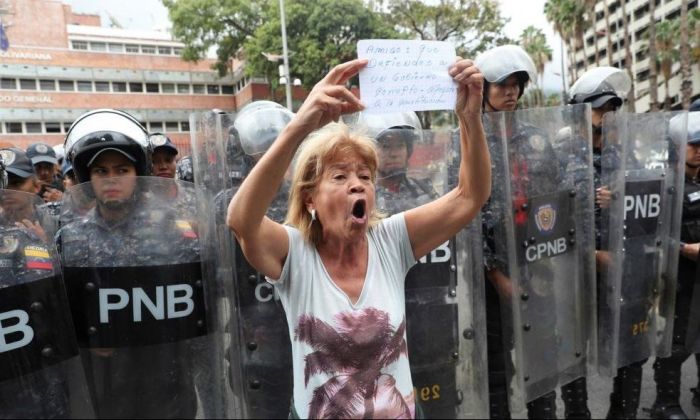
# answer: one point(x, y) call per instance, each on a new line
point(141, 308)
point(540, 229)
point(643, 167)
point(258, 345)
point(42, 374)
point(444, 291)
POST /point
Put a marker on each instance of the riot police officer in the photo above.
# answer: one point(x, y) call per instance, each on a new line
point(140, 367)
point(163, 155)
point(667, 371)
point(507, 70)
point(38, 351)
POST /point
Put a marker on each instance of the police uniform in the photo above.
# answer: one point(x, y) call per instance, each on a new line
point(667, 371)
point(44, 393)
point(140, 381)
point(539, 162)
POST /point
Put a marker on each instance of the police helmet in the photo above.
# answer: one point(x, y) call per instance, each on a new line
point(107, 130)
point(259, 123)
point(686, 127)
point(600, 85)
point(497, 64)
point(381, 126)
point(184, 169)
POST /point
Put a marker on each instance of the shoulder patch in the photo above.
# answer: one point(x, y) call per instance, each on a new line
point(186, 229)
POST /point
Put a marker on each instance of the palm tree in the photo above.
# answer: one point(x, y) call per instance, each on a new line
point(353, 354)
point(666, 53)
point(694, 26)
point(653, 71)
point(686, 77)
point(558, 15)
point(534, 42)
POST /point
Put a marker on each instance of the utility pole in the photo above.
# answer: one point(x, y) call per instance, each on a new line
point(285, 54)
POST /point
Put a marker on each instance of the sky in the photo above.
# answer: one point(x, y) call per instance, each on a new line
point(152, 15)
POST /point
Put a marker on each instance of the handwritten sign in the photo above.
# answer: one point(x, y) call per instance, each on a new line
point(404, 75)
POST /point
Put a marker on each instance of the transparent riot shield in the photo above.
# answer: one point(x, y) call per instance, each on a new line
point(643, 168)
point(257, 337)
point(141, 308)
point(444, 291)
point(42, 374)
point(541, 233)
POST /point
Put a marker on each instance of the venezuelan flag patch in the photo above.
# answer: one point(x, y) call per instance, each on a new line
point(186, 229)
point(37, 258)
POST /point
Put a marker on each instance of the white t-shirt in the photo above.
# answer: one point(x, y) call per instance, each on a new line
point(341, 351)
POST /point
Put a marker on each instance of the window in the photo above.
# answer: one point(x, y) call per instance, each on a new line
point(79, 45)
point(642, 75)
point(84, 86)
point(198, 89)
point(66, 126)
point(47, 84)
point(13, 127)
point(66, 85)
point(165, 50)
point(116, 48)
point(98, 46)
point(148, 49)
point(132, 48)
point(118, 87)
point(177, 51)
point(33, 127)
point(213, 89)
point(52, 127)
point(184, 126)
point(167, 87)
point(101, 86)
point(7, 83)
point(157, 126)
point(152, 88)
point(27, 84)
point(182, 88)
point(171, 126)
point(136, 87)
point(227, 90)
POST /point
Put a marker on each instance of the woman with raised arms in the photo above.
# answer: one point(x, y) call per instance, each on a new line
point(338, 266)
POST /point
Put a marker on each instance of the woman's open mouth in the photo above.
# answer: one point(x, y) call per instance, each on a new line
point(359, 211)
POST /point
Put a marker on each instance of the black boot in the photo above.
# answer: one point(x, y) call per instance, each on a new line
point(575, 396)
point(627, 385)
point(544, 407)
point(667, 375)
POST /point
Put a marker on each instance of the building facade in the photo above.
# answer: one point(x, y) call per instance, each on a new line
point(639, 20)
point(57, 64)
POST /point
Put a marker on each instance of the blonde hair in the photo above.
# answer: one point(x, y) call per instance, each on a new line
point(318, 151)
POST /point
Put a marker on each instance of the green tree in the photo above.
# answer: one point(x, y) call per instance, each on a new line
point(686, 75)
point(559, 14)
point(472, 25)
point(534, 42)
point(667, 33)
point(221, 24)
point(320, 34)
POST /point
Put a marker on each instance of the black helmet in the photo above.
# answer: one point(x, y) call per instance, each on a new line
point(599, 86)
point(107, 129)
point(184, 169)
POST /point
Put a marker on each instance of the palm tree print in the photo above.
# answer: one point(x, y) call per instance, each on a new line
point(354, 353)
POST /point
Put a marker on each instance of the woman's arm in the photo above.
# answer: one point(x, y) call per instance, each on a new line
point(264, 242)
point(435, 222)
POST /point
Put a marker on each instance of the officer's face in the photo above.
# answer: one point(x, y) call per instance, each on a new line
point(45, 171)
point(393, 155)
point(13, 202)
point(692, 155)
point(164, 164)
point(344, 198)
point(597, 114)
point(504, 96)
point(113, 178)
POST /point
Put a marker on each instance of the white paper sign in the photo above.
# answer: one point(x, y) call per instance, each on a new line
point(406, 75)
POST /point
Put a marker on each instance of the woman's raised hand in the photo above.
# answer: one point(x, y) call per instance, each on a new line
point(330, 99)
point(471, 87)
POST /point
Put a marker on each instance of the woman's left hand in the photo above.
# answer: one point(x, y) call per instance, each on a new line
point(471, 87)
